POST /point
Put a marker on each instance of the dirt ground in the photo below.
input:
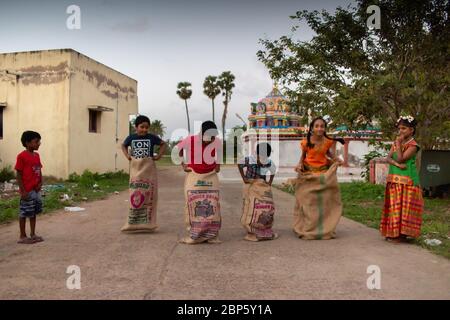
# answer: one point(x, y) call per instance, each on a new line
point(154, 266)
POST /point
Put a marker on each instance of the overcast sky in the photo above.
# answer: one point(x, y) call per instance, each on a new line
point(160, 43)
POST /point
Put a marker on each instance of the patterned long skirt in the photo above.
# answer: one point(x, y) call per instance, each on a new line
point(403, 209)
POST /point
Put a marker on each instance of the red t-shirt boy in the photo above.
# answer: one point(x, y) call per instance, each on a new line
point(29, 178)
point(202, 150)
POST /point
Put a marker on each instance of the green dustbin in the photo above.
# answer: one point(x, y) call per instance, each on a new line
point(435, 169)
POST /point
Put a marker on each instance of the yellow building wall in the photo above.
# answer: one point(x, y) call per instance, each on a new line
point(51, 96)
point(93, 84)
point(37, 99)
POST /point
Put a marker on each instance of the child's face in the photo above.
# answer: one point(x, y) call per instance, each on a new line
point(262, 158)
point(208, 139)
point(142, 128)
point(405, 131)
point(319, 128)
point(34, 144)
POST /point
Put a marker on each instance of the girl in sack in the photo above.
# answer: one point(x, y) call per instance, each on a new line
point(318, 206)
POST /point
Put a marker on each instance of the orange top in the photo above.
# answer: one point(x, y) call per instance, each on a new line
point(316, 157)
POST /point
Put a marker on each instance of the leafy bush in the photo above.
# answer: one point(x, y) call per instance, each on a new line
point(367, 158)
point(7, 174)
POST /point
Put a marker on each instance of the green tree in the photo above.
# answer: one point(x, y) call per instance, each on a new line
point(157, 128)
point(358, 75)
point(184, 92)
point(226, 84)
point(211, 89)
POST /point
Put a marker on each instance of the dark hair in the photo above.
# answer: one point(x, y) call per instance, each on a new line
point(141, 119)
point(209, 125)
point(406, 122)
point(311, 126)
point(265, 147)
point(29, 136)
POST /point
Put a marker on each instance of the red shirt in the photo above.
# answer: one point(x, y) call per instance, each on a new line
point(201, 157)
point(29, 164)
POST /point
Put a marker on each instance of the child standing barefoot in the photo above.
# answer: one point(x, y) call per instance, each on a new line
point(29, 178)
point(403, 201)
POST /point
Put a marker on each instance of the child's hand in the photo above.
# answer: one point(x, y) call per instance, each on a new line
point(129, 158)
point(401, 166)
point(156, 158)
point(246, 181)
point(299, 168)
point(217, 168)
point(399, 140)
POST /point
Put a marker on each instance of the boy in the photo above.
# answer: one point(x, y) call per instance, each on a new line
point(143, 177)
point(200, 150)
point(258, 167)
point(29, 178)
point(142, 142)
point(201, 187)
point(258, 209)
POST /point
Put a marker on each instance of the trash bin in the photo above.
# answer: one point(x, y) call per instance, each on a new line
point(434, 172)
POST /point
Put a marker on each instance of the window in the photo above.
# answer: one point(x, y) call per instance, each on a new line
point(94, 121)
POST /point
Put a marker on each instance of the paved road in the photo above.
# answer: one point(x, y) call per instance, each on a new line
point(155, 266)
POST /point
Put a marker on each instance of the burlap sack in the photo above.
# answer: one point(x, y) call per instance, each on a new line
point(143, 196)
point(202, 209)
point(258, 210)
point(318, 206)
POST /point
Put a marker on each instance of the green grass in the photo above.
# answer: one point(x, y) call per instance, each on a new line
point(79, 188)
point(363, 202)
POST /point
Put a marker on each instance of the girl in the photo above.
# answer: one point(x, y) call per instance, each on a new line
point(318, 206)
point(317, 149)
point(403, 202)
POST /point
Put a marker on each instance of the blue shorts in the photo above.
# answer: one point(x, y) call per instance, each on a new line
point(32, 206)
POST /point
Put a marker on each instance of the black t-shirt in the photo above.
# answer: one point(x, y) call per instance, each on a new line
point(142, 146)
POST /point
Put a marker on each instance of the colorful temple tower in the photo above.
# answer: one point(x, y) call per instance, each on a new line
point(275, 120)
point(274, 112)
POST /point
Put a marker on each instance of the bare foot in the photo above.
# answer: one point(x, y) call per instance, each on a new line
point(394, 240)
point(26, 240)
point(37, 238)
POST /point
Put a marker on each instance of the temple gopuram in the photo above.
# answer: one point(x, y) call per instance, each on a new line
point(275, 120)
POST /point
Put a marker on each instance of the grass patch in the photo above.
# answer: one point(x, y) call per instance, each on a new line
point(86, 187)
point(363, 202)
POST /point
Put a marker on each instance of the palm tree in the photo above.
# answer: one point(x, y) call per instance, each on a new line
point(211, 89)
point(184, 92)
point(157, 128)
point(226, 84)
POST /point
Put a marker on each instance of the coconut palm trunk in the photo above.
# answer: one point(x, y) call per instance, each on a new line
point(187, 116)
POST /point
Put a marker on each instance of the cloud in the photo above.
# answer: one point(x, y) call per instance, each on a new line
point(139, 25)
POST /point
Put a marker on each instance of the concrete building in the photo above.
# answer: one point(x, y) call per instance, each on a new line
point(78, 105)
